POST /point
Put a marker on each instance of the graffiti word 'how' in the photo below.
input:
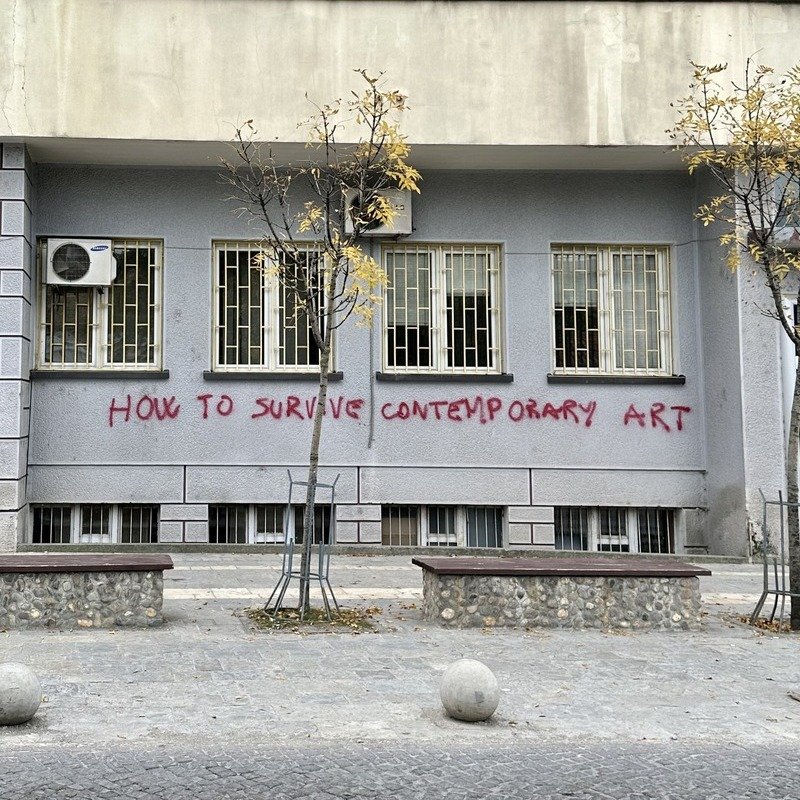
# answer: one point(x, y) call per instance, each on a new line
point(145, 408)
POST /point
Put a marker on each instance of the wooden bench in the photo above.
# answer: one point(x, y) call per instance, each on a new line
point(86, 590)
point(602, 592)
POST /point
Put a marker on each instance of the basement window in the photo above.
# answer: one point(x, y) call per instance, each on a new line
point(238, 523)
point(93, 523)
point(610, 529)
point(441, 526)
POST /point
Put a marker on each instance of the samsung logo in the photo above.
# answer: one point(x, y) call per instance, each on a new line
point(99, 247)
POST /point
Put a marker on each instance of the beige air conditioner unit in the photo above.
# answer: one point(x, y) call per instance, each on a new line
point(80, 262)
point(399, 198)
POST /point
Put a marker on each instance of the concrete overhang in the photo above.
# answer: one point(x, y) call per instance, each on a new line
point(149, 153)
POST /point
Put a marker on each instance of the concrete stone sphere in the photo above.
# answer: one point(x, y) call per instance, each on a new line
point(469, 691)
point(20, 693)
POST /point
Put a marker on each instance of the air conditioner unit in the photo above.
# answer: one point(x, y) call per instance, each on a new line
point(80, 262)
point(401, 225)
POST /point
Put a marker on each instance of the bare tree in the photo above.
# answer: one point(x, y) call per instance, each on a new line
point(356, 152)
point(747, 135)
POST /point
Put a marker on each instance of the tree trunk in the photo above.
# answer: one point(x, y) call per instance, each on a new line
point(793, 513)
point(313, 466)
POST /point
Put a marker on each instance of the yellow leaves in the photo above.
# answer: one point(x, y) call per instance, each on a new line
point(311, 218)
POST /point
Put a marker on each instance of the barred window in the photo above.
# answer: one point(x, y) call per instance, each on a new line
point(115, 326)
point(611, 310)
point(442, 526)
point(442, 308)
point(258, 323)
point(615, 530)
point(241, 523)
point(94, 523)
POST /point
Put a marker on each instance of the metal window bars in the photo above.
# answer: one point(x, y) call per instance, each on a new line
point(611, 309)
point(323, 543)
point(615, 529)
point(400, 526)
point(94, 524)
point(117, 325)
point(258, 323)
point(442, 309)
point(776, 573)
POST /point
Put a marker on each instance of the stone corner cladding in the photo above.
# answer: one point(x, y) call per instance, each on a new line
point(468, 601)
point(81, 599)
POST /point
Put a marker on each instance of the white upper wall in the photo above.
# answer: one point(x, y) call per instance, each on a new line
point(479, 73)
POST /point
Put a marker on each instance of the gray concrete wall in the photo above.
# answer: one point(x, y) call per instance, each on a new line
point(77, 457)
point(721, 337)
point(16, 203)
point(579, 73)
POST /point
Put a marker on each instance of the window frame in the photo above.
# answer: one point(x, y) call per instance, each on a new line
point(270, 315)
point(633, 533)
point(423, 527)
point(438, 307)
point(100, 332)
point(111, 536)
point(607, 314)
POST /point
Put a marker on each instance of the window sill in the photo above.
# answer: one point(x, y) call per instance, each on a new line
point(442, 377)
point(623, 380)
point(101, 374)
point(232, 375)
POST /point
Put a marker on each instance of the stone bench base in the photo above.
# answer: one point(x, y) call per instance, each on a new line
point(558, 601)
point(87, 591)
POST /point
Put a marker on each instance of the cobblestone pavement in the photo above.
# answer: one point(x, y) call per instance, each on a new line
point(406, 771)
point(582, 714)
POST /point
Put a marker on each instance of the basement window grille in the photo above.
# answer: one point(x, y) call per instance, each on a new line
point(94, 523)
point(237, 523)
point(116, 326)
point(611, 309)
point(258, 322)
point(442, 309)
point(615, 529)
point(442, 526)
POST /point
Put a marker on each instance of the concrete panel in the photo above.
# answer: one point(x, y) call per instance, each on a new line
point(12, 494)
point(356, 513)
point(14, 357)
point(609, 81)
point(9, 532)
point(12, 458)
point(170, 531)
point(223, 484)
point(196, 532)
point(544, 534)
point(530, 513)
point(619, 488)
point(14, 282)
point(13, 156)
point(369, 532)
point(11, 411)
point(12, 219)
point(15, 253)
point(519, 533)
point(104, 484)
point(183, 511)
point(346, 532)
point(446, 486)
point(12, 184)
point(13, 316)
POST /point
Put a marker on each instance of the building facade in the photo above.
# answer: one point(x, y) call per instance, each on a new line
point(561, 361)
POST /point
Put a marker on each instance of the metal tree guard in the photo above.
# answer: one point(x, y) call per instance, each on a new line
point(780, 588)
point(323, 557)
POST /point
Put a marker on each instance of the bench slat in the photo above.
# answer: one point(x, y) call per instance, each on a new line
point(586, 567)
point(85, 562)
